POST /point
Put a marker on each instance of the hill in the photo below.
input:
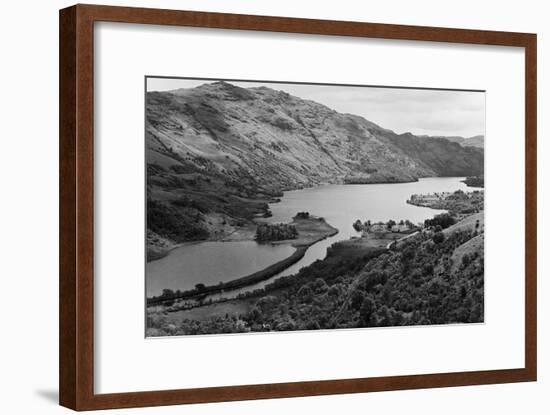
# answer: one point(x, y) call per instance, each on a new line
point(475, 141)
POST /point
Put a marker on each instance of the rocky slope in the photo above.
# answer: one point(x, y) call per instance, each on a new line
point(278, 139)
point(217, 154)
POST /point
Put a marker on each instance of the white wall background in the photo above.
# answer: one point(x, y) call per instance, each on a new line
point(29, 211)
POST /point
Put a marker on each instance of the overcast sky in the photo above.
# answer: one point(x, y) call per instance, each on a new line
point(432, 112)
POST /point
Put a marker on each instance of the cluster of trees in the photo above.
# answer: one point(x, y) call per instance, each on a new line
point(475, 181)
point(441, 221)
point(465, 203)
point(419, 282)
point(391, 223)
point(275, 232)
point(457, 203)
point(177, 223)
point(360, 226)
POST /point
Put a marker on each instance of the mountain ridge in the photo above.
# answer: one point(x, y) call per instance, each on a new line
point(473, 141)
point(278, 121)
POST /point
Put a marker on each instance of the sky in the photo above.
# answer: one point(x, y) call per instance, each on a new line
point(419, 111)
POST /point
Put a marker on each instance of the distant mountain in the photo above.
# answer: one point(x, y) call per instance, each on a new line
point(220, 152)
point(446, 158)
point(475, 141)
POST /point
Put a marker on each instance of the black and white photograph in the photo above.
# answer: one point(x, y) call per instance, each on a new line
point(264, 207)
point(275, 206)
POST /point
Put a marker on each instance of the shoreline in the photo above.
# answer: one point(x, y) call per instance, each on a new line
point(301, 245)
point(191, 317)
point(240, 282)
point(159, 253)
point(224, 238)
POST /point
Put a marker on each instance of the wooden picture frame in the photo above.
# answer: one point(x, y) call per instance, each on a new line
point(76, 175)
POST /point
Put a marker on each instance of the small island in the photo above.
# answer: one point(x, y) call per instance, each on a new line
point(267, 232)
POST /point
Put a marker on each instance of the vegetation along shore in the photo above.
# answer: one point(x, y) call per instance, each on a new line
point(395, 273)
point(304, 231)
point(474, 181)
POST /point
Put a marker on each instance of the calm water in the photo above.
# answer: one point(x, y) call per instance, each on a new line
point(209, 263)
point(340, 205)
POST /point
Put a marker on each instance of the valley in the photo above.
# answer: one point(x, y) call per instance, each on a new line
point(269, 212)
point(218, 155)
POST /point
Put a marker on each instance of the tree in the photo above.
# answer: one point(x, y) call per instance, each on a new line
point(358, 226)
point(438, 237)
point(356, 300)
point(365, 312)
point(387, 320)
point(167, 293)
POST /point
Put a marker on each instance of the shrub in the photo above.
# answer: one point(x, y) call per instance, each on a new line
point(438, 237)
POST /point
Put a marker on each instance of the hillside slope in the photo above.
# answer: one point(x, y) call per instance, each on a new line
point(446, 158)
point(475, 141)
point(279, 139)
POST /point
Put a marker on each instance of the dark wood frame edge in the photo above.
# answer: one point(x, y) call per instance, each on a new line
point(76, 207)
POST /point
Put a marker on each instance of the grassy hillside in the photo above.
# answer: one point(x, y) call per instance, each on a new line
point(474, 141)
point(444, 157)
